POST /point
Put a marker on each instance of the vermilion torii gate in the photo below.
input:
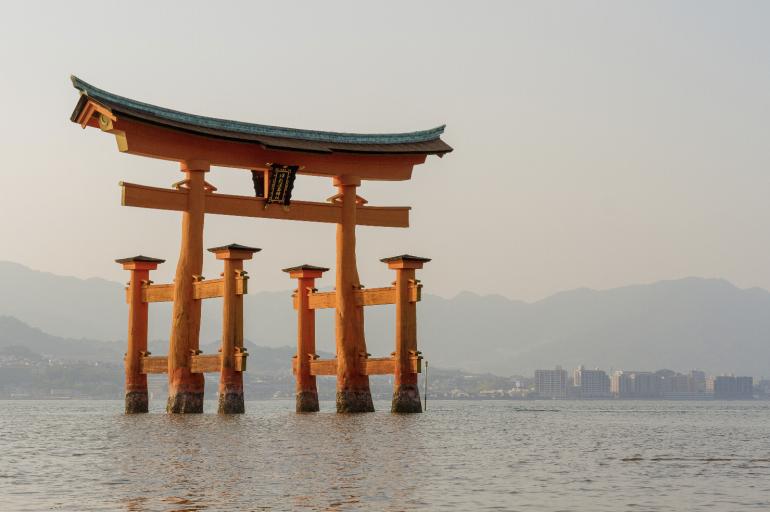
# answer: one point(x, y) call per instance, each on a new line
point(275, 156)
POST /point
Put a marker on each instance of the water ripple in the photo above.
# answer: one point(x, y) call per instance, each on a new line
point(596, 456)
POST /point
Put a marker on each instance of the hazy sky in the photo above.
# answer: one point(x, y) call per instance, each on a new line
point(596, 143)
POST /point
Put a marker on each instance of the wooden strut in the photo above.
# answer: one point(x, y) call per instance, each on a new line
point(199, 363)
point(364, 297)
point(369, 365)
point(206, 289)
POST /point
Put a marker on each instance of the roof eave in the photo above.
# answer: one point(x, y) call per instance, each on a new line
point(252, 132)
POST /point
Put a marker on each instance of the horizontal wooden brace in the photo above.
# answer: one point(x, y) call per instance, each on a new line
point(372, 366)
point(204, 363)
point(201, 363)
point(364, 297)
point(153, 364)
point(142, 196)
point(208, 289)
point(322, 367)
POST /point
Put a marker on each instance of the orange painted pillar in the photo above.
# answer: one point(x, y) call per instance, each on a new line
point(185, 389)
point(353, 394)
point(231, 375)
point(406, 395)
point(306, 391)
point(136, 382)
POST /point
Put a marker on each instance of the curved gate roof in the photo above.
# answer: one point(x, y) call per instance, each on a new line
point(421, 142)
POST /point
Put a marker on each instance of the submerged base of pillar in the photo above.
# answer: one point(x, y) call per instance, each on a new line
point(354, 401)
point(231, 403)
point(406, 399)
point(307, 401)
point(137, 402)
point(185, 402)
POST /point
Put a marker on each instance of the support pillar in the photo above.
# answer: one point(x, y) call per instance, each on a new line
point(353, 394)
point(231, 377)
point(185, 389)
point(406, 395)
point(137, 400)
point(307, 391)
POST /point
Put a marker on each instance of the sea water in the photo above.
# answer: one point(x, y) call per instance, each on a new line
point(459, 455)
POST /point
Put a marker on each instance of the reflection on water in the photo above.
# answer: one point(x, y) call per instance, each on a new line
point(458, 456)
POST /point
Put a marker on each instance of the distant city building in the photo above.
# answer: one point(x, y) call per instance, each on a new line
point(680, 383)
point(696, 381)
point(722, 386)
point(551, 383)
point(744, 387)
point(646, 384)
point(621, 384)
point(673, 385)
point(635, 385)
point(591, 383)
point(677, 386)
point(728, 387)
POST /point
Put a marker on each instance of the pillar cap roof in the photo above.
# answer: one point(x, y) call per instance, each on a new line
point(405, 257)
point(140, 258)
point(234, 247)
point(305, 266)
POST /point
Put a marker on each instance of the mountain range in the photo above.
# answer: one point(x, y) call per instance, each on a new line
point(680, 324)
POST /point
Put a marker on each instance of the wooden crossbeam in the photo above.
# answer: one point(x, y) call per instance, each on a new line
point(201, 363)
point(364, 297)
point(153, 364)
point(142, 196)
point(372, 366)
point(207, 289)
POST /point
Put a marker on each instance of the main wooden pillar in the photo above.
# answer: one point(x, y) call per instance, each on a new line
point(406, 395)
point(307, 391)
point(185, 389)
point(230, 378)
point(353, 394)
point(136, 381)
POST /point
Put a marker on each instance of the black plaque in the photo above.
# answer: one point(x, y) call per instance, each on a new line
point(281, 183)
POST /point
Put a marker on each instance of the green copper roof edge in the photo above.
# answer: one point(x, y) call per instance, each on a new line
point(255, 129)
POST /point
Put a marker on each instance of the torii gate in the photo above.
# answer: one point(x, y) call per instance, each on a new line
point(274, 155)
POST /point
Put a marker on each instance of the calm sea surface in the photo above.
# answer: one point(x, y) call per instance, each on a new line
point(85, 455)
